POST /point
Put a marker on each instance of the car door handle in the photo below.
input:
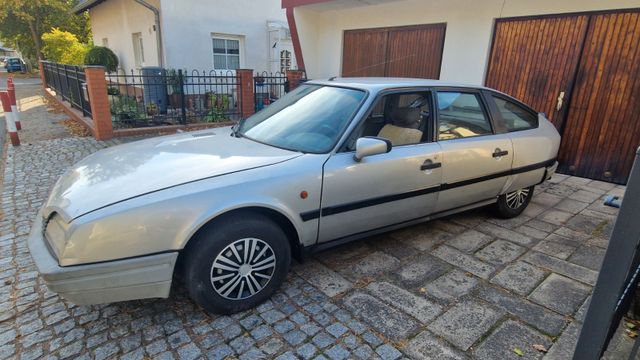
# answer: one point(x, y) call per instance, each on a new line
point(430, 165)
point(499, 153)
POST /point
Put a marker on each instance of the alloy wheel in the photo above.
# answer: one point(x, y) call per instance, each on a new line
point(517, 198)
point(243, 268)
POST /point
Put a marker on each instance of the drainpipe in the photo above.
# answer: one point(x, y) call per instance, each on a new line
point(156, 13)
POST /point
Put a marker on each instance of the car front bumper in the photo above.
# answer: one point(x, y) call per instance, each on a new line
point(110, 281)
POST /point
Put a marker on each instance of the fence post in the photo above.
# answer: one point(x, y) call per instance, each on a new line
point(293, 78)
point(42, 77)
point(245, 89)
point(183, 105)
point(99, 99)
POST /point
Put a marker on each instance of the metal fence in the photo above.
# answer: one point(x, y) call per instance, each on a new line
point(69, 82)
point(268, 87)
point(156, 96)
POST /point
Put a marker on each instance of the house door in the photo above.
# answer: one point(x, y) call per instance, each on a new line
point(582, 71)
point(405, 51)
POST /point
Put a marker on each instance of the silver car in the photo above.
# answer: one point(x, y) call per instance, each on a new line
point(332, 161)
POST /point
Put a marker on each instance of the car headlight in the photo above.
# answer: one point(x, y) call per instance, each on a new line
point(56, 234)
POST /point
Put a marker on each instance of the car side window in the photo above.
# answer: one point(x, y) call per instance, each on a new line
point(401, 118)
point(514, 117)
point(461, 115)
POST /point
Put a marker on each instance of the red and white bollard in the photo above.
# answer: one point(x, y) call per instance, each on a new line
point(8, 116)
point(11, 89)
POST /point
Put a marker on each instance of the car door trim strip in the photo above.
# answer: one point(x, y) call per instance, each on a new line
point(337, 209)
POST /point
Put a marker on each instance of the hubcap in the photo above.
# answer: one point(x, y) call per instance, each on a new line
point(517, 198)
point(243, 268)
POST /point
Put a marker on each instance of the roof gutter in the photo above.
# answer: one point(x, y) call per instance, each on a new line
point(156, 14)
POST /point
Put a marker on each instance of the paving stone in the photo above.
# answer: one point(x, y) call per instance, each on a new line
point(532, 232)
point(585, 196)
point(423, 269)
point(337, 329)
point(220, 352)
point(509, 336)
point(596, 226)
point(261, 332)
point(546, 199)
point(307, 351)
point(506, 234)
point(322, 340)
point(388, 352)
point(532, 210)
point(500, 252)
point(375, 264)
point(393, 323)
point(241, 344)
point(464, 261)
point(564, 347)
point(189, 352)
point(588, 256)
point(427, 346)
point(424, 240)
point(284, 326)
point(469, 241)
point(418, 307)
point(272, 316)
point(364, 352)
point(325, 279)
point(519, 277)
point(272, 346)
point(533, 314)
point(571, 206)
point(554, 248)
point(337, 352)
point(560, 293)
point(562, 267)
point(452, 285)
point(465, 323)
point(555, 216)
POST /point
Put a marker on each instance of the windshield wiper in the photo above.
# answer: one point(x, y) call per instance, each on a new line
point(235, 130)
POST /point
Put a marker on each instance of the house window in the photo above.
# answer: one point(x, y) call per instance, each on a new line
point(138, 49)
point(285, 60)
point(105, 42)
point(226, 53)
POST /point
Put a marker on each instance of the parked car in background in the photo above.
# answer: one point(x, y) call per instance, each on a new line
point(14, 64)
point(330, 162)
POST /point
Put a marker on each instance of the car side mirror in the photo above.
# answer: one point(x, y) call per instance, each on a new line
point(367, 146)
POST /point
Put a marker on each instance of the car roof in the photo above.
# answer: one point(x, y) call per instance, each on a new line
point(381, 83)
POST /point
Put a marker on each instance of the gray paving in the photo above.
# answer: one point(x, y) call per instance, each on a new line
point(466, 286)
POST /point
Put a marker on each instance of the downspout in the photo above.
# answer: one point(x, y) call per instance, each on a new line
point(156, 13)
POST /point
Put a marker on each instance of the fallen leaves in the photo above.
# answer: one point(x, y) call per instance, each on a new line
point(630, 333)
point(76, 128)
point(540, 348)
point(518, 351)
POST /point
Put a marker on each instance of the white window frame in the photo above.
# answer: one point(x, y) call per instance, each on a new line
point(138, 49)
point(239, 39)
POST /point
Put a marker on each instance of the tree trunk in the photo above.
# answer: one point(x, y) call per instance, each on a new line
point(36, 39)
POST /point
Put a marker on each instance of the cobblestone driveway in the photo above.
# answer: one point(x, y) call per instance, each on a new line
point(466, 286)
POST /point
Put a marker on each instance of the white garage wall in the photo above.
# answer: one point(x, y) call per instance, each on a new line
point(189, 24)
point(468, 34)
point(117, 20)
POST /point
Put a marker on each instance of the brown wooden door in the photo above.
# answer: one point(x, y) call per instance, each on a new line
point(407, 51)
point(602, 129)
point(535, 60)
point(592, 60)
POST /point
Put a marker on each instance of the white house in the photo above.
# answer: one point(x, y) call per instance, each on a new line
point(193, 34)
point(578, 61)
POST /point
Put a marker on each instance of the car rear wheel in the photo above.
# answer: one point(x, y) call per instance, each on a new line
point(237, 263)
point(512, 204)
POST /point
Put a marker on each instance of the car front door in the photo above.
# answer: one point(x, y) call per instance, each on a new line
point(385, 189)
point(475, 161)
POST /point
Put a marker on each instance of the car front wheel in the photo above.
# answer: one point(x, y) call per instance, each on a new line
point(237, 263)
point(512, 204)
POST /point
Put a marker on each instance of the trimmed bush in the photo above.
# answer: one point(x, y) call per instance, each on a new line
point(100, 55)
point(63, 47)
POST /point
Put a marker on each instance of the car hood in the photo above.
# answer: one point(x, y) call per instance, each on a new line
point(130, 170)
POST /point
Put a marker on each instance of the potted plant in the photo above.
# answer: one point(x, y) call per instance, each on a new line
point(175, 87)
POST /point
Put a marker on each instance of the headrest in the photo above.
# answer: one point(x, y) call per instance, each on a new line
point(406, 117)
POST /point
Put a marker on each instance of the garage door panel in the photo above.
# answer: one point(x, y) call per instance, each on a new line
point(364, 53)
point(602, 129)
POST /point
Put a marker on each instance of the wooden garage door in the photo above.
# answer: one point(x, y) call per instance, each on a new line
point(582, 71)
point(408, 51)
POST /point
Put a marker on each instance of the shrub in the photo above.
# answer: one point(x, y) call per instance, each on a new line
point(100, 55)
point(63, 47)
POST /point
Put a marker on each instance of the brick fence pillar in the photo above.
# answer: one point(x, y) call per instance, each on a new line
point(246, 95)
point(42, 77)
point(294, 77)
point(100, 111)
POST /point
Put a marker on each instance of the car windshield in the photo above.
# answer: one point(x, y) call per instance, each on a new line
point(309, 119)
point(14, 61)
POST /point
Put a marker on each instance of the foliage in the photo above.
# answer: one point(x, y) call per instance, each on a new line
point(217, 113)
point(100, 55)
point(23, 22)
point(63, 47)
point(173, 79)
point(126, 109)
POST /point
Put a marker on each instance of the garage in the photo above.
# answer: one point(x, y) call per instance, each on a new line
point(582, 71)
point(405, 51)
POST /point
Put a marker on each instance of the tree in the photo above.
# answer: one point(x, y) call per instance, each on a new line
point(100, 55)
point(63, 47)
point(23, 22)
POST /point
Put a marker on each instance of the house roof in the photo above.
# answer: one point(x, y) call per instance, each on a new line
point(85, 5)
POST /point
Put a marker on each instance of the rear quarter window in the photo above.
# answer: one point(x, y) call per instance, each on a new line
point(513, 116)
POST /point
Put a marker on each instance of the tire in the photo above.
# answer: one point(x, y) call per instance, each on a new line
point(222, 288)
point(512, 204)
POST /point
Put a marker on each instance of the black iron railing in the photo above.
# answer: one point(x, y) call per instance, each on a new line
point(156, 96)
point(69, 82)
point(268, 87)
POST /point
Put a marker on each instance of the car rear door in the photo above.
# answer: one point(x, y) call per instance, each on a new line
point(380, 190)
point(475, 160)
